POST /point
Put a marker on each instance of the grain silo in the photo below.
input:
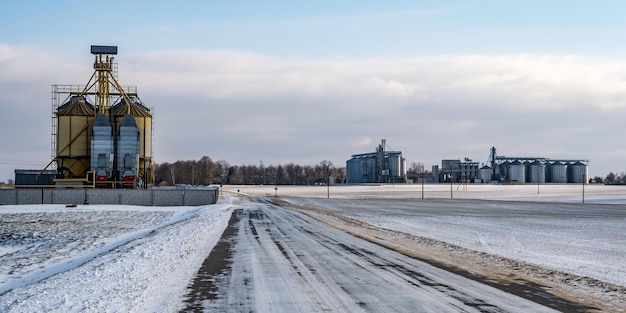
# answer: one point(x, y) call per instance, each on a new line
point(485, 174)
point(558, 172)
point(517, 172)
point(381, 166)
point(577, 173)
point(102, 150)
point(537, 171)
point(394, 163)
point(128, 152)
point(143, 122)
point(74, 122)
point(82, 147)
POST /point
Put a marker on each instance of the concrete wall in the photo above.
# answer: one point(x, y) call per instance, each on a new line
point(149, 197)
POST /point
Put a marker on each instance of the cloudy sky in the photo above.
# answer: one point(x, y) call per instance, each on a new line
point(303, 82)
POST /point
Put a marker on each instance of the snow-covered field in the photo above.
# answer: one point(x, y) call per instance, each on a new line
point(103, 258)
point(552, 229)
point(571, 193)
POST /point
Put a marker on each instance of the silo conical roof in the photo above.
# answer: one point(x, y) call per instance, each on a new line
point(136, 107)
point(76, 106)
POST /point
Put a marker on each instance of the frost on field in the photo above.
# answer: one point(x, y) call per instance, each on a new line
point(33, 240)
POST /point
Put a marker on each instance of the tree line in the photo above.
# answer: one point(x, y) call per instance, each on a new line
point(611, 179)
point(205, 171)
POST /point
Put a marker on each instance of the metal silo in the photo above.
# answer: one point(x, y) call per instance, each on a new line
point(102, 150)
point(73, 135)
point(517, 172)
point(394, 164)
point(558, 173)
point(143, 120)
point(577, 173)
point(485, 174)
point(537, 172)
point(128, 152)
point(362, 169)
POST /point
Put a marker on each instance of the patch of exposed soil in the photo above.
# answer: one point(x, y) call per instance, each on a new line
point(214, 268)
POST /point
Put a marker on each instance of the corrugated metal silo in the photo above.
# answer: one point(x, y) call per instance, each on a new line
point(485, 173)
point(361, 170)
point(517, 172)
point(577, 173)
point(73, 137)
point(558, 173)
point(102, 148)
point(128, 151)
point(143, 120)
point(394, 164)
point(537, 172)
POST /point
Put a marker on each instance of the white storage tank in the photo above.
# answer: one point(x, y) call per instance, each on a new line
point(577, 173)
point(558, 173)
point(485, 173)
point(537, 172)
point(517, 172)
point(403, 168)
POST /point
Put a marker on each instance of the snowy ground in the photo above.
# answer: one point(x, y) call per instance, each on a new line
point(570, 193)
point(141, 259)
point(103, 258)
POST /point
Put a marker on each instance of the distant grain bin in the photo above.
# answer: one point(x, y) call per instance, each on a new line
point(517, 172)
point(485, 174)
point(537, 172)
point(577, 173)
point(97, 144)
point(558, 172)
point(377, 167)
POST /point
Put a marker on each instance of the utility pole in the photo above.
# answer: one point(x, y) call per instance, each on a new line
point(451, 182)
point(584, 180)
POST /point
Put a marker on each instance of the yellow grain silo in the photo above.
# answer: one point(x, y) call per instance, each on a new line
point(143, 119)
point(74, 119)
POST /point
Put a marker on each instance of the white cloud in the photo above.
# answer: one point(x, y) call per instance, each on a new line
point(243, 107)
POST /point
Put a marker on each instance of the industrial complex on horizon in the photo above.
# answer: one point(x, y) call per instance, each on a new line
point(383, 166)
